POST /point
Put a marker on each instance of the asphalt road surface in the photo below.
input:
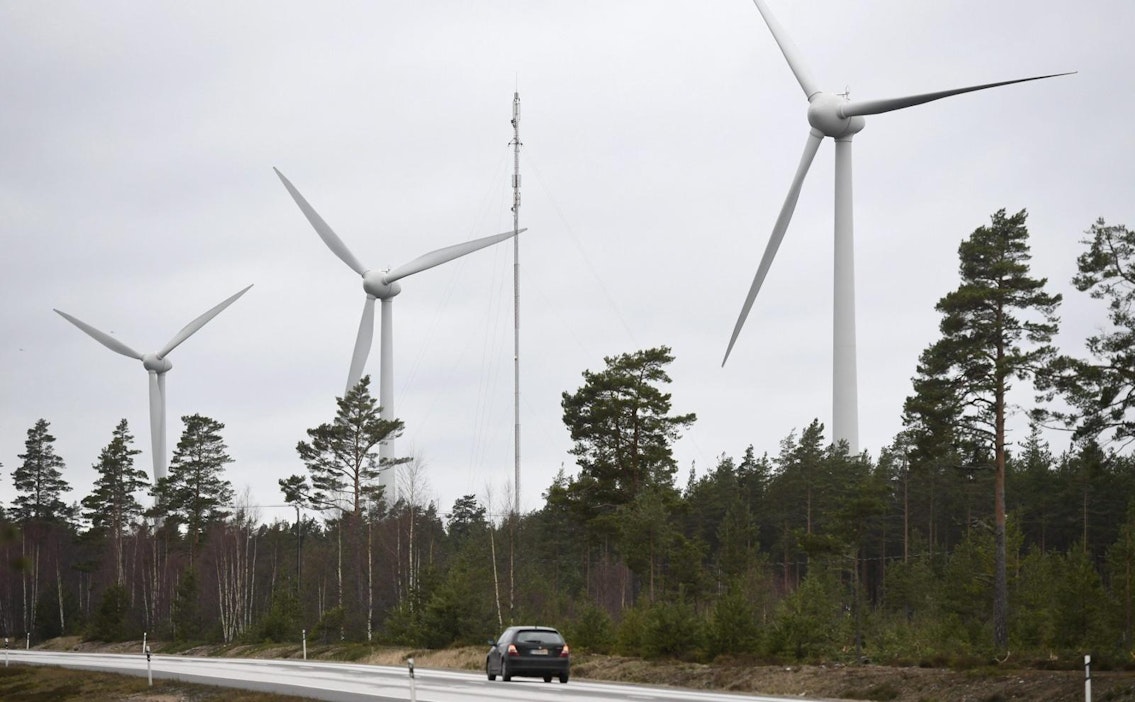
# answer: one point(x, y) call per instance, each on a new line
point(349, 682)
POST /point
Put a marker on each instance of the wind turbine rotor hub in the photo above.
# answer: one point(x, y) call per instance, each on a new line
point(154, 364)
point(825, 114)
point(374, 282)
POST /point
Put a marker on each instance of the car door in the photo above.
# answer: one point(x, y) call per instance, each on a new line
point(496, 653)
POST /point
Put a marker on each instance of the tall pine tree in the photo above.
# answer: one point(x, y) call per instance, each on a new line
point(997, 326)
point(39, 479)
point(112, 506)
point(1101, 389)
point(341, 456)
point(621, 426)
point(196, 493)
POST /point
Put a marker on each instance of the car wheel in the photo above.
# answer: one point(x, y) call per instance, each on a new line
point(563, 678)
point(505, 674)
point(547, 678)
point(491, 675)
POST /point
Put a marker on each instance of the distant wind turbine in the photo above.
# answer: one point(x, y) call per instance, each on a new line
point(158, 365)
point(834, 115)
point(382, 285)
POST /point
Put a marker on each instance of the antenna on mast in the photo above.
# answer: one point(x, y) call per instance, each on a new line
point(515, 143)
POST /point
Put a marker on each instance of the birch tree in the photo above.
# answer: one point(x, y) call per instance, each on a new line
point(236, 571)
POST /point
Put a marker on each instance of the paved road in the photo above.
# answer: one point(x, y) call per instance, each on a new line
point(348, 682)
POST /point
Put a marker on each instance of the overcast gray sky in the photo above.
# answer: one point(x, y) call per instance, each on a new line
point(137, 142)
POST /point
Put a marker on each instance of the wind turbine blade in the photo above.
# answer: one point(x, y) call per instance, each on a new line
point(791, 53)
point(810, 148)
point(102, 337)
point(189, 329)
point(362, 345)
point(440, 256)
point(876, 107)
point(322, 229)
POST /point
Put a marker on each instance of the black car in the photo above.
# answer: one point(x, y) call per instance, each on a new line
point(531, 652)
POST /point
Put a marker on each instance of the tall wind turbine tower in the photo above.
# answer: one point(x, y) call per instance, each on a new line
point(834, 115)
point(382, 285)
point(515, 144)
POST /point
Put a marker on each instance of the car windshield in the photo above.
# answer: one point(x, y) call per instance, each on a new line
point(551, 638)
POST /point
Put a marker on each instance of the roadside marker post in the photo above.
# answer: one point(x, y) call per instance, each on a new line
point(1087, 678)
point(413, 687)
point(305, 644)
point(149, 670)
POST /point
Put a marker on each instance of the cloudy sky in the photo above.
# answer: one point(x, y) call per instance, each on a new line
point(137, 142)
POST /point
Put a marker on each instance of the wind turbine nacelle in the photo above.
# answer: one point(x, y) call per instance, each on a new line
point(825, 114)
point(375, 285)
point(155, 364)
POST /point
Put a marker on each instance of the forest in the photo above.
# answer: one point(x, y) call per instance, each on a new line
point(951, 545)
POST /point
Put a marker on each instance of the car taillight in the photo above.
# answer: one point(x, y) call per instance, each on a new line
point(512, 650)
point(565, 652)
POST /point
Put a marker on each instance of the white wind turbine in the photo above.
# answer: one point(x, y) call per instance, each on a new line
point(834, 115)
point(158, 365)
point(382, 285)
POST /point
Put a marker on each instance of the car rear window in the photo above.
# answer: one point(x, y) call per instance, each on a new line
point(540, 637)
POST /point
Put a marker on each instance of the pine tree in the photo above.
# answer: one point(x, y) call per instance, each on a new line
point(622, 429)
point(39, 479)
point(997, 326)
point(467, 518)
point(195, 492)
point(341, 459)
point(112, 506)
point(341, 456)
point(1101, 389)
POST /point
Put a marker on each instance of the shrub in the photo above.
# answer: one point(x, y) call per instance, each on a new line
point(673, 629)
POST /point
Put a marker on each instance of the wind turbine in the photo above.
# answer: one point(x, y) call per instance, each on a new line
point(382, 285)
point(158, 365)
point(834, 115)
